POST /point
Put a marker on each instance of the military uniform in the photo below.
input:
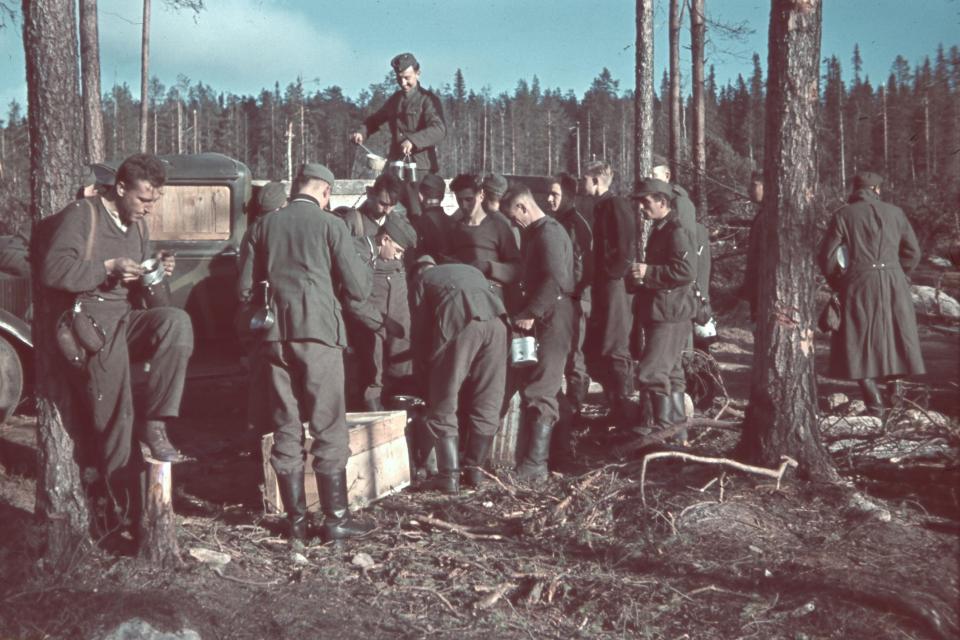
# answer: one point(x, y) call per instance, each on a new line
point(878, 330)
point(608, 342)
point(489, 246)
point(417, 117)
point(161, 337)
point(460, 339)
point(581, 237)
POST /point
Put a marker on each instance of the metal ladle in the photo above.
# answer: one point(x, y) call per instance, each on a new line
point(265, 318)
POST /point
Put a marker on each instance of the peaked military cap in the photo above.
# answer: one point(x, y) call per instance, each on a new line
point(865, 179)
point(318, 171)
point(651, 186)
point(494, 184)
point(433, 186)
point(403, 60)
point(273, 195)
point(402, 234)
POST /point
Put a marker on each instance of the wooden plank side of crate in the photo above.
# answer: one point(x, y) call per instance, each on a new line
point(378, 463)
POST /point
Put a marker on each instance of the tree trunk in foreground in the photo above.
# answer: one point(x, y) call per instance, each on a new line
point(643, 110)
point(782, 416)
point(144, 76)
point(675, 103)
point(90, 74)
point(56, 156)
point(697, 37)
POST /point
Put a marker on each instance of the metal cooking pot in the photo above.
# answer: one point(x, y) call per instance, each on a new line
point(156, 289)
point(523, 351)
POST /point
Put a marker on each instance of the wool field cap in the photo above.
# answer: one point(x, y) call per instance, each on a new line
point(403, 60)
point(494, 184)
point(273, 195)
point(865, 179)
point(433, 186)
point(402, 234)
point(318, 171)
point(651, 186)
point(89, 177)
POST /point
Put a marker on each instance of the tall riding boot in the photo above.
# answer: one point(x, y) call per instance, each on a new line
point(872, 397)
point(154, 435)
point(478, 448)
point(339, 523)
point(533, 468)
point(447, 479)
point(294, 503)
point(661, 405)
point(577, 393)
point(678, 402)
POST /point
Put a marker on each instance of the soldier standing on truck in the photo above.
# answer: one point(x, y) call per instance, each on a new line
point(414, 116)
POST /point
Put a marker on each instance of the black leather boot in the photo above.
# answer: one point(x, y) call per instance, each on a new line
point(533, 468)
point(294, 503)
point(872, 397)
point(154, 435)
point(447, 479)
point(339, 523)
point(679, 404)
point(577, 393)
point(662, 406)
point(477, 451)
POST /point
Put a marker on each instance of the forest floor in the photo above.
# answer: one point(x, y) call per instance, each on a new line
point(689, 551)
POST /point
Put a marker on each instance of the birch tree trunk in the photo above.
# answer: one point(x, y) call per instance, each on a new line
point(56, 156)
point(782, 415)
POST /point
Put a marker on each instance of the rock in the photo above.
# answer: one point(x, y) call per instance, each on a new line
point(856, 407)
point(929, 301)
point(862, 504)
point(137, 629)
point(363, 560)
point(299, 559)
point(209, 556)
point(836, 401)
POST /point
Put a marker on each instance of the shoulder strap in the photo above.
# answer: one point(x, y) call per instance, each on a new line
point(88, 249)
point(144, 249)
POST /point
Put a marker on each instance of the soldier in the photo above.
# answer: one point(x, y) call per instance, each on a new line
point(460, 341)
point(433, 223)
point(413, 114)
point(309, 260)
point(547, 312)
point(272, 196)
point(750, 287)
point(384, 361)
point(95, 257)
point(481, 240)
point(877, 339)
point(614, 243)
point(560, 199)
point(686, 212)
point(665, 302)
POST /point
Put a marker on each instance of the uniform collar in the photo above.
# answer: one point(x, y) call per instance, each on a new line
point(305, 198)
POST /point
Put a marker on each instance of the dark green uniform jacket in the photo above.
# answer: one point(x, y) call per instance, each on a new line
point(682, 204)
point(547, 268)
point(308, 257)
point(417, 117)
point(878, 327)
point(666, 294)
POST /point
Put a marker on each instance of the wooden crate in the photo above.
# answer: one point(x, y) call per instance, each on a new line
point(379, 463)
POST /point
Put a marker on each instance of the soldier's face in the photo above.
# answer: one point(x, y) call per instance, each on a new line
point(137, 200)
point(654, 208)
point(589, 186)
point(468, 200)
point(382, 203)
point(555, 197)
point(389, 250)
point(519, 213)
point(408, 79)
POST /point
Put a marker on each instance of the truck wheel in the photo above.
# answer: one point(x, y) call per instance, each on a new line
point(11, 379)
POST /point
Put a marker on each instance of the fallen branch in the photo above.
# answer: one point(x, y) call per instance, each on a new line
point(219, 571)
point(510, 490)
point(562, 506)
point(436, 593)
point(495, 595)
point(454, 528)
point(777, 473)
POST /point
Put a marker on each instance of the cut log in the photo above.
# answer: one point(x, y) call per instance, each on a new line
point(509, 440)
point(379, 462)
point(158, 522)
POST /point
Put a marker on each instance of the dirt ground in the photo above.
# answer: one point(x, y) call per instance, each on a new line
point(689, 550)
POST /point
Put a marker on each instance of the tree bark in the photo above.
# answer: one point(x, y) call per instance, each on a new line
point(90, 73)
point(144, 76)
point(697, 34)
point(643, 109)
point(56, 157)
point(782, 415)
point(675, 105)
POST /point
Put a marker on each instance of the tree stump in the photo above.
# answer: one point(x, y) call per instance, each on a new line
point(158, 522)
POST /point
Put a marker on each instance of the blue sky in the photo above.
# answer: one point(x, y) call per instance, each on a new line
point(242, 46)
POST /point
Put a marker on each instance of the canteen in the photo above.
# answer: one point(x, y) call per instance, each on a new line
point(155, 288)
point(523, 351)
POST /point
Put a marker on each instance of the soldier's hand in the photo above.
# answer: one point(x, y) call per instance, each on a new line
point(356, 137)
point(638, 271)
point(407, 147)
point(525, 324)
point(124, 269)
point(168, 260)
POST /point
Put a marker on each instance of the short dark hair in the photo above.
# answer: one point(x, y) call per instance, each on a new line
point(142, 166)
point(467, 181)
point(516, 190)
point(568, 184)
point(389, 184)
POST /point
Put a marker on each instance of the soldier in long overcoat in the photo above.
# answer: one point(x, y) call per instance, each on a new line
point(877, 339)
